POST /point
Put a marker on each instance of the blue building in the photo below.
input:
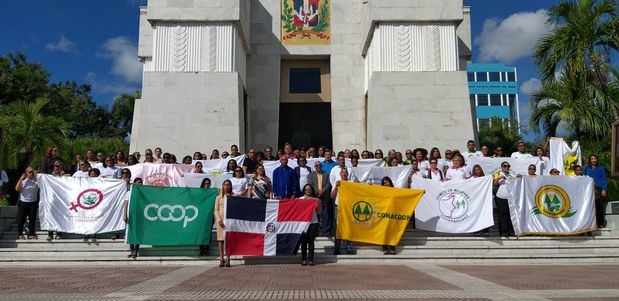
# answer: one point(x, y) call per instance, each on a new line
point(493, 91)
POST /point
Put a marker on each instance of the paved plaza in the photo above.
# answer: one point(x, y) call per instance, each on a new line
point(322, 282)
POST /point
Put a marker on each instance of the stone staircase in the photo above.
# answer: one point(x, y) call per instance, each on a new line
point(416, 246)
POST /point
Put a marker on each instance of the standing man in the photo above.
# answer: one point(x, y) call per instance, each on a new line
point(268, 154)
point(321, 184)
point(285, 184)
point(334, 175)
point(250, 163)
point(302, 172)
point(328, 163)
point(522, 151)
point(471, 150)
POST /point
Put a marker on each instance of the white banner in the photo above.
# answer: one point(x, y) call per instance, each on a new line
point(81, 205)
point(399, 175)
point(270, 166)
point(491, 165)
point(218, 165)
point(563, 157)
point(167, 175)
point(195, 179)
point(454, 206)
point(551, 204)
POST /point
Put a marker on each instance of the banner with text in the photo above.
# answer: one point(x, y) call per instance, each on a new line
point(399, 175)
point(170, 216)
point(454, 206)
point(551, 204)
point(81, 205)
point(374, 214)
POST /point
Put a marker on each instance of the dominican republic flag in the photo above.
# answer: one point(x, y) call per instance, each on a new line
point(257, 227)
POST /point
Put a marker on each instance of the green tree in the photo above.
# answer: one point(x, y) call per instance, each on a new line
point(21, 80)
point(501, 133)
point(29, 132)
point(566, 101)
point(122, 111)
point(584, 39)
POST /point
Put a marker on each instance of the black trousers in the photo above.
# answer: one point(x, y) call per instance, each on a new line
point(307, 242)
point(600, 208)
point(505, 221)
point(29, 210)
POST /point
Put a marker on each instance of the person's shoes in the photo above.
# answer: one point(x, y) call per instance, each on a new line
point(130, 255)
point(33, 237)
point(21, 237)
point(85, 239)
point(93, 240)
point(392, 252)
point(202, 253)
point(304, 262)
point(49, 238)
point(310, 263)
point(58, 236)
point(228, 263)
point(350, 252)
point(385, 252)
point(115, 237)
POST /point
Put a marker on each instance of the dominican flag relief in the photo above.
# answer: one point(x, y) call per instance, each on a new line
point(257, 227)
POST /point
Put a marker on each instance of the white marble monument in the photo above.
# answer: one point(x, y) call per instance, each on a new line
point(389, 74)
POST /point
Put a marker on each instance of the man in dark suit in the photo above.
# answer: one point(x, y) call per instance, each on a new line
point(320, 181)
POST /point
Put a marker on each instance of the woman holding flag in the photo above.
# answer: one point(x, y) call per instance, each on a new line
point(387, 250)
point(308, 237)
point(226, 190)
point(334, 195)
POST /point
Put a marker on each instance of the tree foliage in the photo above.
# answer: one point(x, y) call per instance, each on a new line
point(501, 133)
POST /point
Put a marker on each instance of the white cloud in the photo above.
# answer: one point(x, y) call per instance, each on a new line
point(104, 86)
point(63, 44)
point(124, 54)
point(512, 38)
point(530, 86)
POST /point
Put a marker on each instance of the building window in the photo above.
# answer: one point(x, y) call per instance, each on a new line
point(484, 124)
point(472, 98)
point(495, 99)
point(482, 76)
point(495, 76)
point(482, 99)
point(304, 80)
point(471, 76)
point(511, 76)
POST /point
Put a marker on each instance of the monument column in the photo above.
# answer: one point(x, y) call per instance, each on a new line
point(193, 88)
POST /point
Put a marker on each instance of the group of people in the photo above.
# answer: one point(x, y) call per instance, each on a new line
point(322, 182)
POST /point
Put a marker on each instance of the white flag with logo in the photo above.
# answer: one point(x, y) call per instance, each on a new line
point(164, 175)
point(551, 204)
point(454, 206)
point(491, 165)
point(81, 205)
point(563, 157)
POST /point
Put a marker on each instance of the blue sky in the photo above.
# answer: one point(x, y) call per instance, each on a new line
point(95, 41)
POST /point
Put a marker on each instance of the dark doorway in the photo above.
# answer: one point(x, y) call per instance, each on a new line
point(305, 124)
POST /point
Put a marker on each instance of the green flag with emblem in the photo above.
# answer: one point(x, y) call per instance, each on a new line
point(170, 216)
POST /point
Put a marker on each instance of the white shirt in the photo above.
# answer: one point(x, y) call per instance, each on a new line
point(436, 175)
point(239, 185)
point(519, 155)
point(302, 177)
point(423, 165)
point(110, 172)
point(542, 165)
point(458, 174)
point(466, 154)
point(29, 191)
point(80, 174)
point(334, 176)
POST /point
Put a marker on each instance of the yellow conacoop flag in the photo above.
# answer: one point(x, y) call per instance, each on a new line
point(374, 214)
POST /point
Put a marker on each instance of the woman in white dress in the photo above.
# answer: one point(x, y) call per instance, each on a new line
point(239, 182)
point(109, 170)
point(458, 171)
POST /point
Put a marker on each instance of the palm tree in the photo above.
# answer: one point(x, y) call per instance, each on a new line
point(500, 133)
point(122, 111)
point(28, 132)
point(567, 100)
point(584, 37)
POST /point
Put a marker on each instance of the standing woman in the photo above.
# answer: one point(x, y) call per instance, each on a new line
point(120, 159)
point(334, 196)
point(505, 223)
point(206, 183)
point(458, 171)
point(420, 155)
point(28, 204)
point(448, 159)
point(435, 173)
point(307, 238)
point(231, 166)
point(226, 190)
point(109, 170)
point(133, 248)
point(387, 250)
point(197, 168)
point(239, 183)
point(478, 172)
point(260, 185)
point(435, 153)
point(544, 162)
point(598, 173)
